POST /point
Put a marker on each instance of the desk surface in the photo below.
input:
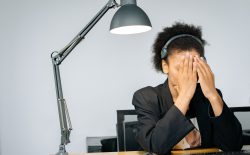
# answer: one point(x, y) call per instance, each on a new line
point(179, 152)
point(207, 150)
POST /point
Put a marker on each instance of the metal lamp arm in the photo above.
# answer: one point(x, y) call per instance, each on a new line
point(57, 59)
point(62, 54)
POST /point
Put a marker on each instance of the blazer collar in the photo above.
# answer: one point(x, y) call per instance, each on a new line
point(166, 94)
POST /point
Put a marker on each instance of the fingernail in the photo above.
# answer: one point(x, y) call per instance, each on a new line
point(202, 58)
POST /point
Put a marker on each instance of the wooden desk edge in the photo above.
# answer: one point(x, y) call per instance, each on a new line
point(194, 151)
point(175, 152)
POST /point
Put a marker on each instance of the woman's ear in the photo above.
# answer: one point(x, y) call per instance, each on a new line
point(164, 66)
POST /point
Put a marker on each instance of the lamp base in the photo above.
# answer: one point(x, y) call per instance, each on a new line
point(62, 150)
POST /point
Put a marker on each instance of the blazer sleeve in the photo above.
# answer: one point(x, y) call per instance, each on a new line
point(158, 133)
point(227, 130)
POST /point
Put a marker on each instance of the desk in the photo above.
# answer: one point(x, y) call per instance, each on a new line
point(143, 152)
point(207, 150)
point(194, 151)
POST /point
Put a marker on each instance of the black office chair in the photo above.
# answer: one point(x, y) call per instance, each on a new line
point(243, 115)
point(126, 131)
point(109, 145)
point(130, 131)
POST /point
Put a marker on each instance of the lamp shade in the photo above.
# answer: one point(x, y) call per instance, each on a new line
point(130, 19)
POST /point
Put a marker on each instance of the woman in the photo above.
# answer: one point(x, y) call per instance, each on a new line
point(181, 113)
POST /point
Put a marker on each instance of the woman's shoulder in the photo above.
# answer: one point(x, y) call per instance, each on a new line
point(148, 95)
point(149, 90)
point(147, 99)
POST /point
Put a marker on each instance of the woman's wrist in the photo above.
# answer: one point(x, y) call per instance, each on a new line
point(213, 97)
point(216, 103)
point(182, 103)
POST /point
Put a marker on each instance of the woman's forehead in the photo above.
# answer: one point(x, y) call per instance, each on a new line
point(175, 57)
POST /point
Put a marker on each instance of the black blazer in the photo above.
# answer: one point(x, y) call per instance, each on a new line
point(162, 125)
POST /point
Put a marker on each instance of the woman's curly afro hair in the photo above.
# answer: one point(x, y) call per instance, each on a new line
point(182, 44)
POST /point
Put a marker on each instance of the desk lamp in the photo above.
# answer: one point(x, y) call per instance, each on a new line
point(128, 19)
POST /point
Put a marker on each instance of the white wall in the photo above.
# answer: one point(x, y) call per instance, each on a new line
point(102, 73)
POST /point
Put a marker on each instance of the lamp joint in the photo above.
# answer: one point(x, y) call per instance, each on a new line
point(112, 3)
point(56, 58)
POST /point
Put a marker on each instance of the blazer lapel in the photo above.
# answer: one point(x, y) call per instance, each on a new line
point(200, 108)
point(166, 96)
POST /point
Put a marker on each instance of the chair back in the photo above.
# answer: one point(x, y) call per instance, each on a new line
point(126, 128)
point(243, 115)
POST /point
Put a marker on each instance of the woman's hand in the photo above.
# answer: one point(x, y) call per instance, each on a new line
point(207, 83)
point(187, 77)
point(187, 81)
point(206, 78)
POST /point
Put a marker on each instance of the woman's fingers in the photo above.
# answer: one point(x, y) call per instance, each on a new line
point(201, 69)
point(186, 80)
point(201, 66)
point(204, 65)
point(186, 62)
point(200, 73)
point(194, 68)
point(190, 64)
point(187, 67)
point(206, 69)
point(181, 64)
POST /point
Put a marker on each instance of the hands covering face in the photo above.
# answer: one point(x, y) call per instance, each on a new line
point(191, 68)
point(187, 76)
